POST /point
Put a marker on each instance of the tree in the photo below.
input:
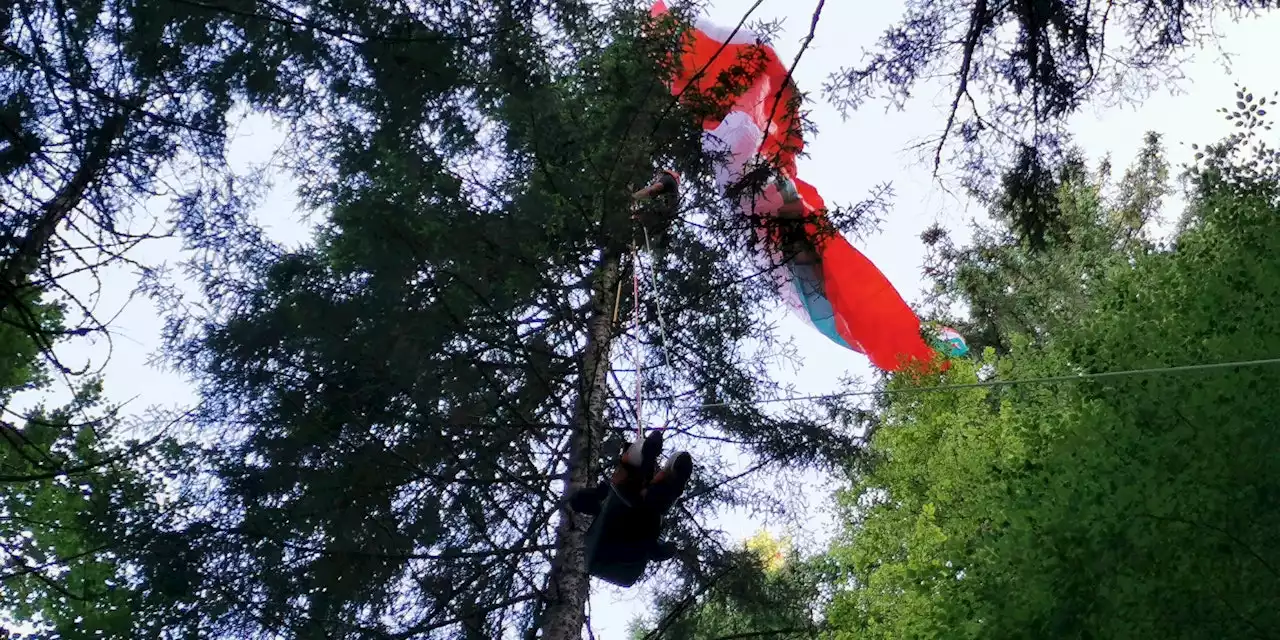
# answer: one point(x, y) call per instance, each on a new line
point(1058, 231)
point(401, 408)
point(106, 107)
point(77, 499)
point(769, 591)
point(1017, 70)
point(1116, 507)
point(75, 496)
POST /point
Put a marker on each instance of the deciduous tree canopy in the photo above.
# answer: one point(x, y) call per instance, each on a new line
point(1122, 507)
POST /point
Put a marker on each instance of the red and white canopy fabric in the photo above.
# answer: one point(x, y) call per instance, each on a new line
point(846, 297)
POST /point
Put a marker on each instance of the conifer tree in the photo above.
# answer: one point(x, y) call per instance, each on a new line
point(1016, 71)
point(108, 107)
point(400, 409)
point(774, 592)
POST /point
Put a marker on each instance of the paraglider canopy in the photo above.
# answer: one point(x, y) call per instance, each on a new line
point(755, 125)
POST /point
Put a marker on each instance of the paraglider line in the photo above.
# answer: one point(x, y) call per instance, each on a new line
point(635, 334)
point(662, 325)
point(657, 301)
point(1006, 383)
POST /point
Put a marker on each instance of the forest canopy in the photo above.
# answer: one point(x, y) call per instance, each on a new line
point(391, 417)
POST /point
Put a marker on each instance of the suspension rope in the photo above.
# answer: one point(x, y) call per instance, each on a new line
point(635, 332)
point(635, 336)
point(617, 303)
point(1004, 383)
point(657, 301)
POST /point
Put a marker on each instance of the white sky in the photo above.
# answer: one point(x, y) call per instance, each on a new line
point(847, 159)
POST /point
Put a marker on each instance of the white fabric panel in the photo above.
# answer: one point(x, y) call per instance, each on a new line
point(720, 33)
point(738, 139)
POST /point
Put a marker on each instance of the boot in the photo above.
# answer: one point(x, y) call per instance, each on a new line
point(670, 482)
point(637, 466)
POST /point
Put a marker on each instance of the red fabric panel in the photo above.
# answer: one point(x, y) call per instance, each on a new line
point(870, 314)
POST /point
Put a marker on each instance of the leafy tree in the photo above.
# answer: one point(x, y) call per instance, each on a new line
point(400, 408)
point(74, 494)
point(770, 591)
point(76, 500)
point(1016, 280)
point(1116, 507)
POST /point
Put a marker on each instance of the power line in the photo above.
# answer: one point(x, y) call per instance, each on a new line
point(1005, 383)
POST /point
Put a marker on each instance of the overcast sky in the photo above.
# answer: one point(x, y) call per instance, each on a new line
point(847, 159)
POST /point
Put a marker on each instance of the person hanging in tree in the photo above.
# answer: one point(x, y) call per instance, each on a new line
point(795, 237)
point(796, 241)
point(657, 206)
point(788, 225)
point(629, 509)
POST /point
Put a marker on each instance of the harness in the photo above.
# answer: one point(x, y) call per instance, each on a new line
point(630, 544)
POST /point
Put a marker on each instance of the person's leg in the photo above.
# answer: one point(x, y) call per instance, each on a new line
point(792, 210)
point(793, 237)
point(796, 243)
point(637, 465)
point(670, 482)
point(650, 451)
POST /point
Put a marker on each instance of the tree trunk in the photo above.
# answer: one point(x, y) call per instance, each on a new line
point(26, 259)
point(568, 583)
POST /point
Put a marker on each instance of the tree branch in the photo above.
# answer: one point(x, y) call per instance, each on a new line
point(977, 22)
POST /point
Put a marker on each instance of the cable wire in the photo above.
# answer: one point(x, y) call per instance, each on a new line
point(1004, 383)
